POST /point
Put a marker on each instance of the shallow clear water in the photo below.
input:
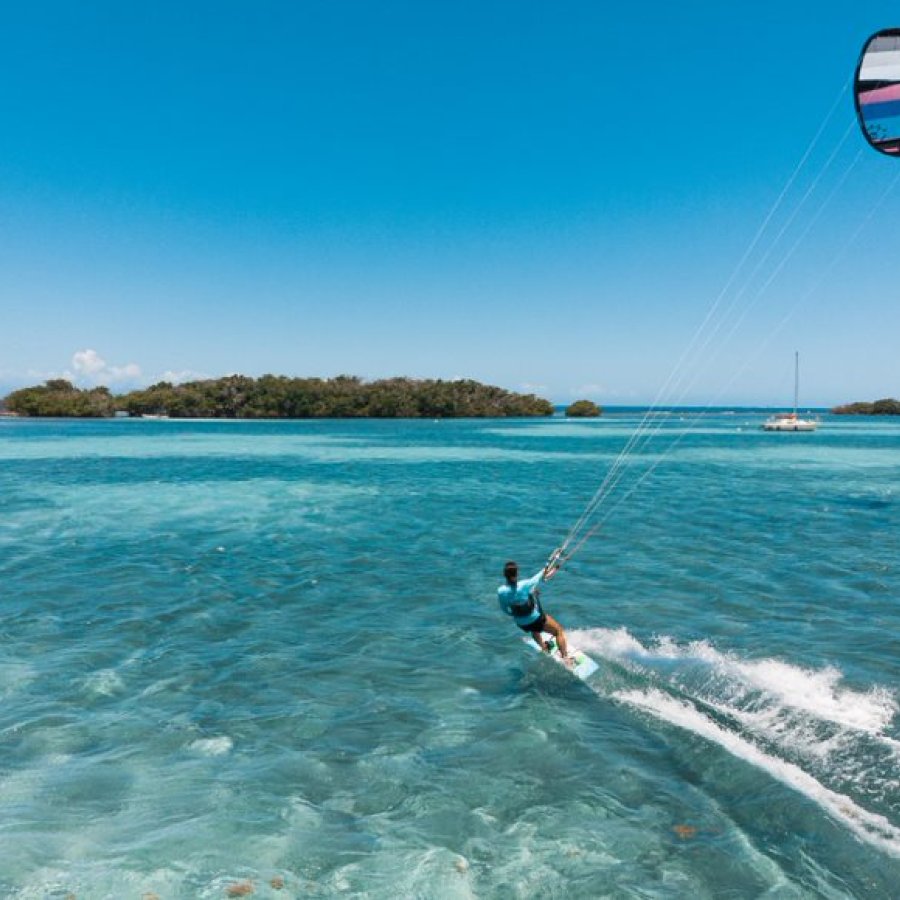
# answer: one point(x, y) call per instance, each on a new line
point(235, 652)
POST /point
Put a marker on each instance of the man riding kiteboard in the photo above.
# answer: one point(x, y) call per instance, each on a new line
point(520, 599)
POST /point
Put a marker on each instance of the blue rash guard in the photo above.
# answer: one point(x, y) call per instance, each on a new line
point(506, 596)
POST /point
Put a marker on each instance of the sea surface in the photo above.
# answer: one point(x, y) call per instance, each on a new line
point(268, 656)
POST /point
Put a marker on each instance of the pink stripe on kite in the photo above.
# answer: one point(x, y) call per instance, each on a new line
point(881, 95)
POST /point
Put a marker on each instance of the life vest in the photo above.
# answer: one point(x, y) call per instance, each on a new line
point(523, 608)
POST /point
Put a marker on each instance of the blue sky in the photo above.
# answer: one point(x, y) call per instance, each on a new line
point(547, 196)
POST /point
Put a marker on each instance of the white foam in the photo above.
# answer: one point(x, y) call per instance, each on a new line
point(816, 692)
point(611, 643)
point(870, 827)
point(819, 693)
point(217, 746)
point(104, 683)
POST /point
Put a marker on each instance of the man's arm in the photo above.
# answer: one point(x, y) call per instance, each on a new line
point(533, 582)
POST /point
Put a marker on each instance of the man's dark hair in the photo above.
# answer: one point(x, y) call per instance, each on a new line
point(511, 571)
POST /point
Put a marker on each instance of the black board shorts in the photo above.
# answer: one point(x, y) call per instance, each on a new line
point(535, 626)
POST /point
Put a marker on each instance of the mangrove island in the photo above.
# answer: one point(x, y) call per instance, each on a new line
point(279, 397)
point(886, 407)
point(583, 409)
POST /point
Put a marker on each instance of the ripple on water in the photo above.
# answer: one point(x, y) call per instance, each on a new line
point(233, 653)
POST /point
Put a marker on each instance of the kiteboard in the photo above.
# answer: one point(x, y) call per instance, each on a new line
point(582, 667)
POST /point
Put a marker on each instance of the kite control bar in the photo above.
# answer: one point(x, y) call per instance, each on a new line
point(554, 564)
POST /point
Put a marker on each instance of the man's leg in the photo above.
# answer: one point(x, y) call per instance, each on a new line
point(559, 633)
point(536, 637)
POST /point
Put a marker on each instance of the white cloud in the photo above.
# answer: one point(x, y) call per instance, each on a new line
point(587, 390)
point(88, 363)
point(607, 395)
point(182, 376)
point(533, 388)
point(91, 369)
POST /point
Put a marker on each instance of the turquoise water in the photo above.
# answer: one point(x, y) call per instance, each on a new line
point(237, 652)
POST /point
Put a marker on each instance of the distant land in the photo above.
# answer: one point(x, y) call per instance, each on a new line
point(279, 397)
point(346, 396)
point(887, 407)
point(583, 409)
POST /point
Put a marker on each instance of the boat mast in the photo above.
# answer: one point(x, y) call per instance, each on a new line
point(796, 380)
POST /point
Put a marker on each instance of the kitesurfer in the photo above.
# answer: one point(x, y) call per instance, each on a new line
point(520, 600)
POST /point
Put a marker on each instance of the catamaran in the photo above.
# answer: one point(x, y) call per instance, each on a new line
point(791, 421)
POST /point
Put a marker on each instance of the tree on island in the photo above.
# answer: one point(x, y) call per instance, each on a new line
point(583, 409)
point(278, 397)
point(886, 407)
point(59, 397)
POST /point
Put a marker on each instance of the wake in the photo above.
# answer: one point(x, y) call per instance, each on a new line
point(801, 726)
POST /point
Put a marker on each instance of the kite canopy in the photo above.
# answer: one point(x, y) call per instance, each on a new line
point(876, 89)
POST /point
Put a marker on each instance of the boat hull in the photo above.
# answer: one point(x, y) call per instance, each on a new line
point(789, 424)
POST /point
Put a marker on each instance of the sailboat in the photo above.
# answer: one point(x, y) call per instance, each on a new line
point(791, 421)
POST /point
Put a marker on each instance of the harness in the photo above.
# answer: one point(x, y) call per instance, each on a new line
point(524, 607)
